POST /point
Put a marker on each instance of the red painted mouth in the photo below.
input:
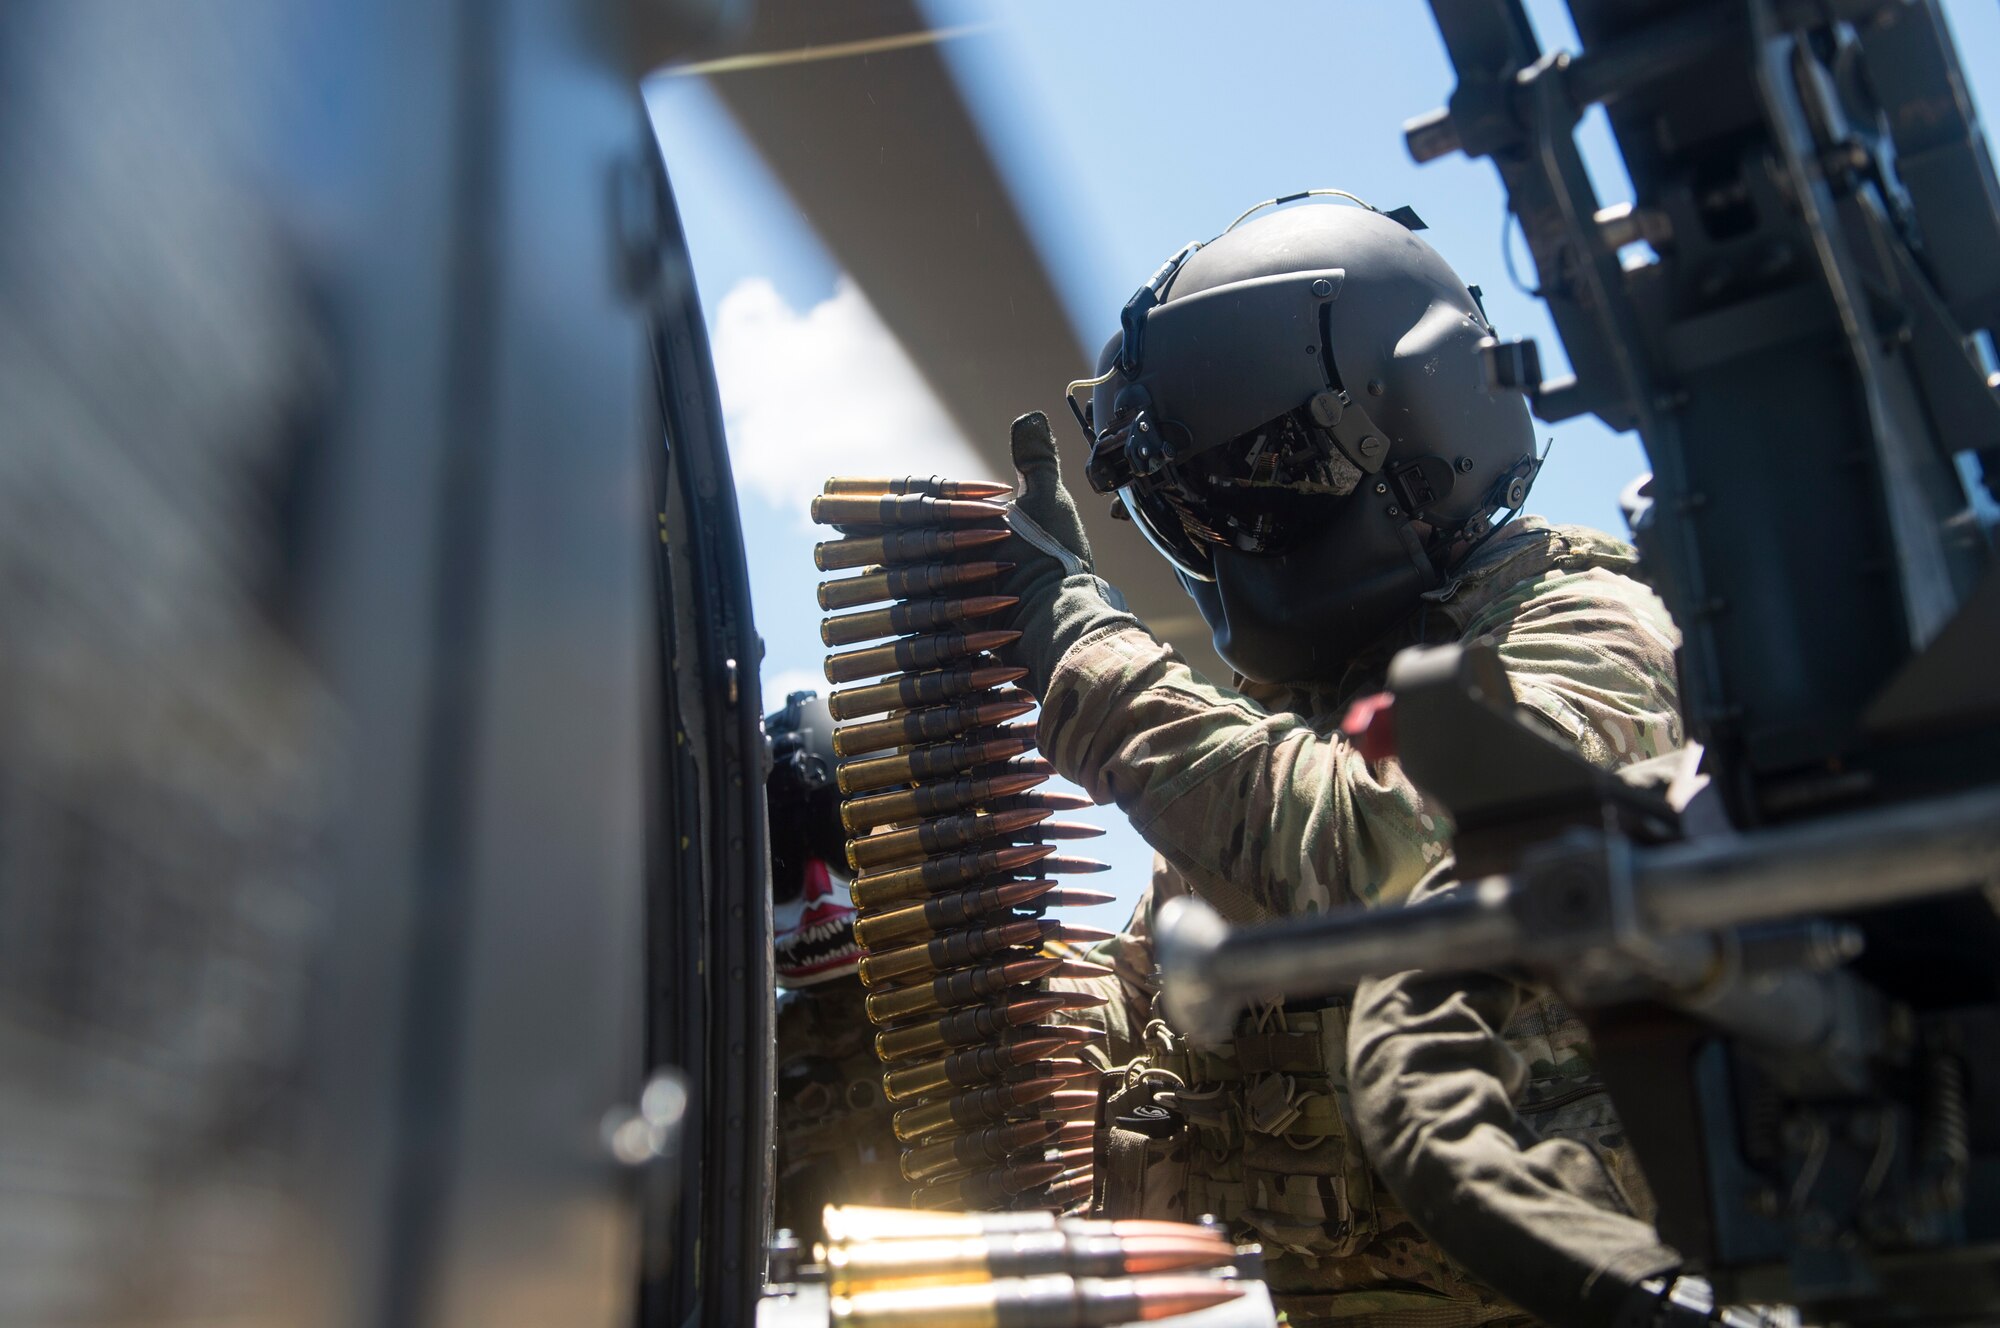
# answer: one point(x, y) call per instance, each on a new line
point(819, 943)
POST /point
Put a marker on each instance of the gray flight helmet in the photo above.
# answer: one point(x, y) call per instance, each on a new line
point(1297, 417)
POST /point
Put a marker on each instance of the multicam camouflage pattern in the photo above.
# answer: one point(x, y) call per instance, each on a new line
point(1265, 812)
point(1256, 803)
point(834, 1141)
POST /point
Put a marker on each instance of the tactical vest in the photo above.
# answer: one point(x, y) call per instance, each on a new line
point(1268, 1144)
point(833, 1134)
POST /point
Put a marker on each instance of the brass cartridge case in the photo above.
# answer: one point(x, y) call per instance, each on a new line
point(909, 581)
point(953, 950)
point(923, 920)
point(978, 1066)
point(973, 1109)
point(966, 1028)
point(910, 616)
point(900, 848)
point(902, 546)
point(983, 1189)
point(980, 1148)
point(929, 486)
point(933, 761)
point(911, 509)
point(860, 815)
point(1027, 1302)
point(900, 885)
point(913, 653)
point(964, 986)
point(857, 1223)
point(934, 724)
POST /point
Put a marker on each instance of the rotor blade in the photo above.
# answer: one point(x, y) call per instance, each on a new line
point(858, 116)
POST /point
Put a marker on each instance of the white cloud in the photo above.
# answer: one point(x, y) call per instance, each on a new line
point(828, 391)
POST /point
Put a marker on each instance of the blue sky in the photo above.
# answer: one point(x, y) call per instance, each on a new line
point(1241, 102)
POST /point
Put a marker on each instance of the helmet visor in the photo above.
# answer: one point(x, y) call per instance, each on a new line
point(1261, 493)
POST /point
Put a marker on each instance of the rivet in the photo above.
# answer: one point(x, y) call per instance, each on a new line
point(1395, 510)
point(1376, 387)
point(1381, 487)
point(1312, 350)
point(1321, 287)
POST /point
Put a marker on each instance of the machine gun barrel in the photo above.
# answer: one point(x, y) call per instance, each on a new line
point(1832, 865)
point(1648, 909)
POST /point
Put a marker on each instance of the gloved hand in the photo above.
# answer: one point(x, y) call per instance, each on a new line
point(1062, 601)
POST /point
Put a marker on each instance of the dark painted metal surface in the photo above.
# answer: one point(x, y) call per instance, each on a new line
point(334, 718)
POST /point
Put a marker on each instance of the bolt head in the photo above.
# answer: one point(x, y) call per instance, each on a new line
point(1321, 287)
point(1465, 465)
point(1395, 510)
point(1380, 487)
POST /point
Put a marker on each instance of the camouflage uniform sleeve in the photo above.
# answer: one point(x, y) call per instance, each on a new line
point(1260, 814)
point(1265, 816)
point(1544, 1219)
point(1531, 1216)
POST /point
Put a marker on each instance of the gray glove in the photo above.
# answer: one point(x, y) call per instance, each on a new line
point(1062, 601)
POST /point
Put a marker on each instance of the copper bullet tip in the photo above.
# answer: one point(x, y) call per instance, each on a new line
point(1016, 856)
point(1039, 1048)
point(990, 639)
point(966, 540)
point(1148, 1226)
point(1064, 1070)
point(1023, 972)
point(1165, 1297)
point(985, 606)
point(995, 824)
point(1069, 829)
point(1030, 1091)
point(1074, 866)
point(1174, 1254)
point(1072, 1034)
point(1030, 1008)
point(1052, 800)
point(1071, 896)
point(1027, 1134)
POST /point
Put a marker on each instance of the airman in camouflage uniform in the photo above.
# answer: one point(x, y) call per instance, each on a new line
point(1287, 818)
point(1315, 552)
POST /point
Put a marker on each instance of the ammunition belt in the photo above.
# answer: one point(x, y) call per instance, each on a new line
point(955, 853)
